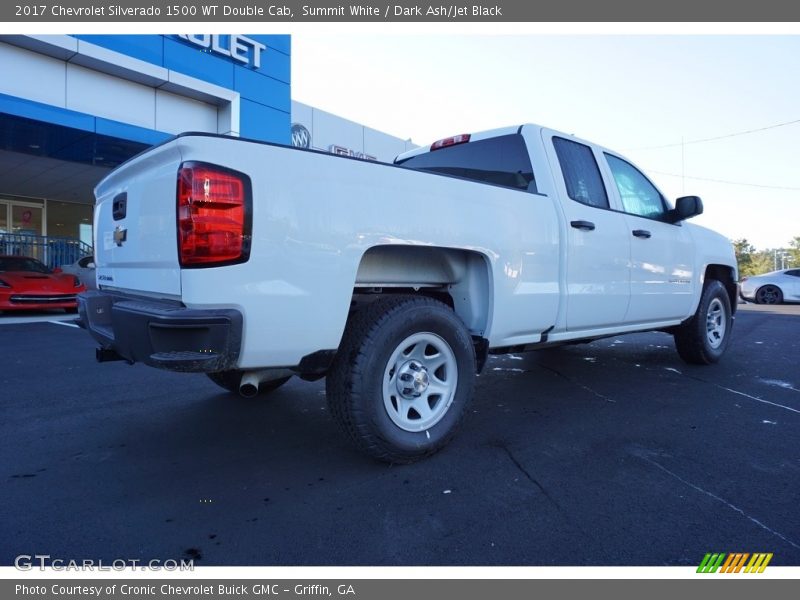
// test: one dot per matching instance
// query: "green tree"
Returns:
(794, 251)
(756, 262)
(745, 254)
(763, 261)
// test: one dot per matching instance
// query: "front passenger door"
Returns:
(662, 254)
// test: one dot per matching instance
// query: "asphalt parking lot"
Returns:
(613, 453)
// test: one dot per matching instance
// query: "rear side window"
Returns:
(581, 173)
(500, 161)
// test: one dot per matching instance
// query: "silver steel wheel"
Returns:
(716, 323)
(419, 382)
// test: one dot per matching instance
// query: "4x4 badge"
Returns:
(120, 235)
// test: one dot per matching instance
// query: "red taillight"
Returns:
(213, 215)
(451, 141)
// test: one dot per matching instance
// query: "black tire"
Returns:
(402, 338)
(769, 294)
(703, 339)
(229, 380)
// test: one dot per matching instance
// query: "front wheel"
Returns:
(769, 294)
(703, 339)
(402, 378)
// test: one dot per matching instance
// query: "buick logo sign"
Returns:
(301, 138)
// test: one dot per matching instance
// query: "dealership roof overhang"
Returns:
(46, 160)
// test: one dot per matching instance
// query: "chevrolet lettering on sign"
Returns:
(238, 47)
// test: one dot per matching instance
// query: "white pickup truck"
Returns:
(254, 262)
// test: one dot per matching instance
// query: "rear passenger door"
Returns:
(662, 254)
(598, 239)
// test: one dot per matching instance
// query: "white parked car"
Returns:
(772, 288)
(84, 269)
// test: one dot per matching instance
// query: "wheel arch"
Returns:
(461, 278)
(726, 275)
(462, 275)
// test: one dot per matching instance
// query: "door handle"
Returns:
(641, 233)
(582, 225)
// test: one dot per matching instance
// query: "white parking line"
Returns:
(732, 391)
(756, 398)
(9, 319)
(65, 324)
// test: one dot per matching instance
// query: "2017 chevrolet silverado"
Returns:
(253, 262)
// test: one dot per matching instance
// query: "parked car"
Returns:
(84, 269)
(772, 288)
(27, 284)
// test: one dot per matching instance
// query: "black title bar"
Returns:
(210, 11)
(736, 587)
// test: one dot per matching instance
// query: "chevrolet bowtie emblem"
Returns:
(120, 235)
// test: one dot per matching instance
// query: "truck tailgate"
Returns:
(136, 246)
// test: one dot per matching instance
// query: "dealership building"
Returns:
(73, 107)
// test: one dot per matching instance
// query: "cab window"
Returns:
(499, 160)
(581, 175)
(639, 196)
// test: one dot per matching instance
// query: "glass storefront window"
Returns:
(20, 222)
(26, 220)
(86, 233)
(68, 219)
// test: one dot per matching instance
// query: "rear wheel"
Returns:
(703, 339)
(402, 378)
(230, 381)
(769, 294)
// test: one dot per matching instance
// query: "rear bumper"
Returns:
(162, 334)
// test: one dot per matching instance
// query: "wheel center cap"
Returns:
(412, 379)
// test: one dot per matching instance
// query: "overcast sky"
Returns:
(629, 93)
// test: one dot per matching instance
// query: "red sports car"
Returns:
(27, 284)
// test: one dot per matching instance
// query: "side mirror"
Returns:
(57, 270)
(90, 265)
(686, 207)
